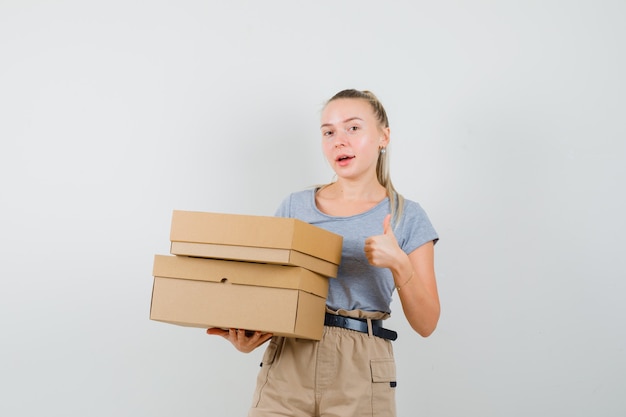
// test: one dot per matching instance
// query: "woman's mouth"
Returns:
(344, 159)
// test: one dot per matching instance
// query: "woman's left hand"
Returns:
(383, 250)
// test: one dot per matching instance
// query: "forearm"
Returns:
(420, 308)
(414, 278)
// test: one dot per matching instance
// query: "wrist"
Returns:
(406, 281)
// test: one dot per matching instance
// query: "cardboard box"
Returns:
(263, 239)
(197, 292)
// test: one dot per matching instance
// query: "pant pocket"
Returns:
(383, 387)
(269, 357)
(270, 352)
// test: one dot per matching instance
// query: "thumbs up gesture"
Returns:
(383, 250)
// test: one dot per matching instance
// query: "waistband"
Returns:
(360, 325)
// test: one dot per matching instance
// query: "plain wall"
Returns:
(508, 126)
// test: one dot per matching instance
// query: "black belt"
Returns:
(359, 325)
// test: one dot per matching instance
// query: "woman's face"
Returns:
(352, 137)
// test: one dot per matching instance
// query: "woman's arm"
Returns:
(417, 288)
(414, 276)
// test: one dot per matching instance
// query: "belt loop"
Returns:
(369, 328)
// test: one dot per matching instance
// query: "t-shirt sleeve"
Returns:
(284, 209)
(415, 228)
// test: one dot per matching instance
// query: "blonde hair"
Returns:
(396, 200)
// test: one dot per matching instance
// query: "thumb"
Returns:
(387, 225)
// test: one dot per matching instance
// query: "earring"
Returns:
(383, 150)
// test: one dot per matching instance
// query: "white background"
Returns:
(508, 126)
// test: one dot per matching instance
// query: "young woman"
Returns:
(388, 245)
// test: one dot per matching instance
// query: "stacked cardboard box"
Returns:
(249, 272)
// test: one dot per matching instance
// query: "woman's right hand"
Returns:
(244, 340)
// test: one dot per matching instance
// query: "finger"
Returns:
(259, 335)
(259, 338)
(387, 225)
(264, 337)
(232, 334)
(217, 331)
(241, 335)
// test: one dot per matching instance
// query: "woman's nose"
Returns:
(340, 139)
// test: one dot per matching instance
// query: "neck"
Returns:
(349, 190)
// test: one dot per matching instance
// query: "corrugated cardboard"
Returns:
(284, 300)
(277, 240)
(255, 254)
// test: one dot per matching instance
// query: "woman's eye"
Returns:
(353, 128)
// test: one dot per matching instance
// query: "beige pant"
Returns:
(345, 374)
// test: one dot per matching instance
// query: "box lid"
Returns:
(255, 254)
(240, 273)
(257, 231)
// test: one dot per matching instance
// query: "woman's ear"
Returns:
(384, 139)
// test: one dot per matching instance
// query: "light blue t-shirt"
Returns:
(360, 285)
